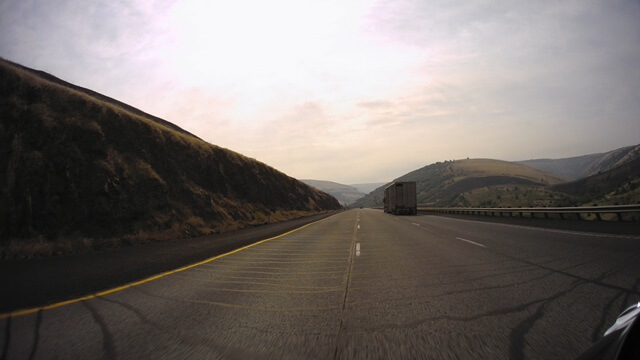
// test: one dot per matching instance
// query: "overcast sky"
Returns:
(354, 91)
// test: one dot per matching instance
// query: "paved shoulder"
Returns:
(36, 282)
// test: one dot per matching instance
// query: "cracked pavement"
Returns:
(413, 290)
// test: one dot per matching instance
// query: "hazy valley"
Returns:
(85, 171)
(345, 194)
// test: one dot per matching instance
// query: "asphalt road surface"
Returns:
(359, 284)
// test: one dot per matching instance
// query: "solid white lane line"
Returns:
(471, 242)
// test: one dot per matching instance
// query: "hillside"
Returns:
(578, 167)
(100, 97)
(345, 194)
(476, 182)
(620, 186)
(82, 171)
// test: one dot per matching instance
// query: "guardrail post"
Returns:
(598, 216)
(619, 216)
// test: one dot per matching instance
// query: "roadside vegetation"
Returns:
(511, 196)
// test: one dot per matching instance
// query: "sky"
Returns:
(354, 91)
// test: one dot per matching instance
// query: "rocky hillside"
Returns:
(80, 169)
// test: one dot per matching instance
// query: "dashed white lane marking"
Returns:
(357, 249)
(416, 224)
(471, 242)
(358, 226)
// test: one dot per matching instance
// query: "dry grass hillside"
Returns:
(496, 183)
(477, 182)
(79, 171)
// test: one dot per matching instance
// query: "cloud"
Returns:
(354, 90)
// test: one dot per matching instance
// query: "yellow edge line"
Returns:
(149, 279)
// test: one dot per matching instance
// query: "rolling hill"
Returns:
(477, 182)
(81, 170)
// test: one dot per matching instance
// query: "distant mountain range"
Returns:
(578, 167)
(345, 194)
(367, 187)
(83, 170)
(607, 178)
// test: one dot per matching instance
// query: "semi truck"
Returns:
(400, 198)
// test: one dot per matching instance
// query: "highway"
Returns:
(359, 284)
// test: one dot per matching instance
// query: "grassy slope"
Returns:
(81, 171)
(444, 183)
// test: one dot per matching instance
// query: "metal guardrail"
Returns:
(563, 212)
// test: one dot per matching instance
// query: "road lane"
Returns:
(360, 284)
(558, 290)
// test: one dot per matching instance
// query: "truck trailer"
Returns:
(400, 198)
